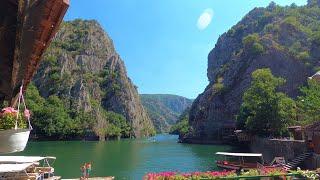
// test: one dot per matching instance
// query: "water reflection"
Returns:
(127, 159)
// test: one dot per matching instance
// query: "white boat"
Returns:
(27, 167)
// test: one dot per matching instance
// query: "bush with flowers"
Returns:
(8, 118)
(272, 171)
(265, 173)
(306, 174)
(251, 172)
(186, 176)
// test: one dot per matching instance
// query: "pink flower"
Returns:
(9, 110)
(151, 176)
(186, 174)
(27, 113)
(156, 176)
(196, 173)
(172, 175)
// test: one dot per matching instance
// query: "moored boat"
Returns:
(27, 167)
(240, 161)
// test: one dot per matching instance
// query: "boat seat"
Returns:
(44, 169)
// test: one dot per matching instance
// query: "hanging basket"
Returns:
(13, 140)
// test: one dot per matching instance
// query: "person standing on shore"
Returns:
(88, 169)
(83, 172)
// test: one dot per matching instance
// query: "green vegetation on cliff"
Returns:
(83, 90)
(309, 103)
(182, 127)
(286, 40)
(252, 44)
(164, 109)
(265, 111)
(51, 118)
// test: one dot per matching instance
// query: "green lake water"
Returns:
(127, 159)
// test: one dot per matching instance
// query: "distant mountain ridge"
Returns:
(164, 109)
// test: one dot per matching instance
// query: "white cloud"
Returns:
(205, 19)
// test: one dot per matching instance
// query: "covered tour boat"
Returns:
(27, 167)
(239, 161)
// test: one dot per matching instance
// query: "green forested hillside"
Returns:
(52, 119)
(181, 127)
(164, 109)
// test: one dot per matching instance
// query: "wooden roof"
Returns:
(26, 30)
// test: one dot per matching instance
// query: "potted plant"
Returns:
(9, 116)
(15, 127)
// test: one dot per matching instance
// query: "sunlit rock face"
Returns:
(313, 2)
(83, 68)
(289, 49)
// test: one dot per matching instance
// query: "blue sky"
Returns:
(164, 47)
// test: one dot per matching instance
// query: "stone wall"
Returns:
(313, 162)
(271, 148)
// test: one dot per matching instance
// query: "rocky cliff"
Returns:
(164, 109)
(284, 39)
(83, 68)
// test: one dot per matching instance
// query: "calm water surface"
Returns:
(127, 159)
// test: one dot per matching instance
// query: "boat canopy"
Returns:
(239, 154)
(6, 168)
(22, 159)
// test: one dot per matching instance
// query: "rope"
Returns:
(25, 107)
(21, 97)
(20, 93)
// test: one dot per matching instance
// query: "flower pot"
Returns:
(12, 140)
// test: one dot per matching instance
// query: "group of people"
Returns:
(85, 170)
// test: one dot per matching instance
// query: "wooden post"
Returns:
(22, 6)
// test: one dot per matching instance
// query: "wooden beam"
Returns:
(40, 43)
(57, 10)
(51, 13)
(47, 23)
(17, 50)
(14, 2)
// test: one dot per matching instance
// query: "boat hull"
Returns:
(13, 140)
(233, 167)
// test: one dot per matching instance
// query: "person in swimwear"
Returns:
(88, 169)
